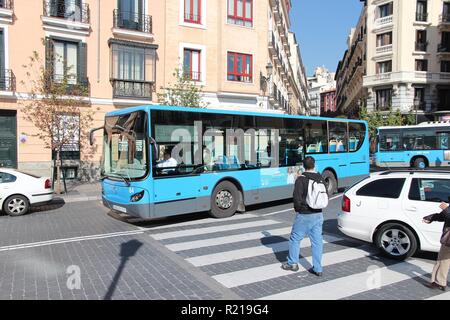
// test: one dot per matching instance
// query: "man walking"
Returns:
(308, 222)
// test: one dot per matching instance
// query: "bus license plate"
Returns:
(121, 209)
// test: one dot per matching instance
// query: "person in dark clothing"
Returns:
(308, 222)
(440, 271)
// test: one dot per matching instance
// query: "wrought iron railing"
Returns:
(7, 4)
(192, 75)
(421, 46)
(132, 21)
(7, 81)
(444, 47)
(421, 16)
(73, 85)
(444, 18)
(72, 10)
(192, 18)
(132, 89)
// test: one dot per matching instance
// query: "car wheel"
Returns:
(420, 163)
(224, 200)
(330, 182)
(396, 241)
(16, 206)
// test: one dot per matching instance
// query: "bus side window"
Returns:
(357, 134)
(316, 136)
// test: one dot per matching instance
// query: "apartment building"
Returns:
(299, 81)
(126, 51)
(322, 81)
(350, 92)
(407, 66)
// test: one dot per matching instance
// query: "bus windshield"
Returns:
(125, 153)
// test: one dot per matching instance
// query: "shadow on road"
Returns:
(127, 250)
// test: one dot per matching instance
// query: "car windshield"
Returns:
(125, 149)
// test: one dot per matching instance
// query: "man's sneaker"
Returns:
(319, 274)
(286, 266)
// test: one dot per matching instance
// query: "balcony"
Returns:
(272, 43)
(384, 21)
(277, 11)
(192, 75)
(8, 81)
(72, 84)
(6, 11)
(132, 89)
(421, 46)
(132, 24)
(66, 16)
(444, 20)
(384, 49)
(443, 48)
(421, 16)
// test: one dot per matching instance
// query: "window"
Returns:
(240, 67)
(316, 137)
(384, 39)
(421, 40)
(421, 10)
(419, 98)
(445, 66)
(384, 99)
(443, 139)
(419, 139)
(385, 10)
(356, 134)
(421, 65)
(383, 188)
(192, 11)
(445, 41)
(130, 14)
(338, 136)
(431, 190)
(390, 141)
(68, 131)
(240, 12)
(7, 178)
(384, 67)
(191, 64)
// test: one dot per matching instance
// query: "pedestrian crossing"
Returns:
(249, 262)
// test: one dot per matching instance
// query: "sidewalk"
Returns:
(81, 192)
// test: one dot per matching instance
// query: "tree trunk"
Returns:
(58, 172)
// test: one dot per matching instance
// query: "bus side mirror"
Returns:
(91, 135)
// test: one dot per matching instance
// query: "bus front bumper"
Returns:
(135, 210)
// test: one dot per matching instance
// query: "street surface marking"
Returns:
(357, 283)
(66, 240)
(201, 221)
(252, 275)
(292, 209)
(443, 296)
(228, 239)
(195, 232)
(260, 250)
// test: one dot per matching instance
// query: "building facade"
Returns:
(322, 81)
(407, 66)
(328, 103)
(125, 52)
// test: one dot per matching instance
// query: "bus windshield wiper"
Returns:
(127, 182)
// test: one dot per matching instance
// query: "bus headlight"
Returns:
(137, 197)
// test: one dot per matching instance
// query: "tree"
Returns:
(56, 108)
(184, 93)
(378, 119)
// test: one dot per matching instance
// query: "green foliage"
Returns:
(378, 119)
(184, 93)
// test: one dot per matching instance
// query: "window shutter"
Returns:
(82, 63)
(49, 49)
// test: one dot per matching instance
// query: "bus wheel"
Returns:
(420, 163)
(224, 200)
(330, 182)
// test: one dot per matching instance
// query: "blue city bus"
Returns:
(227, 160)
(420, 146)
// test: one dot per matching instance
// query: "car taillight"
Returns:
(48, 184)
(345, 204)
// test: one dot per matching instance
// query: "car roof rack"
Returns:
(412, 171)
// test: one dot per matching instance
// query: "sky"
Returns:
(322, 28)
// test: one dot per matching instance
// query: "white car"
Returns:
(388, 208)
(19, 191)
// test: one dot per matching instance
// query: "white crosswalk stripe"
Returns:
(202, 221)
(194, 232)
(252, 275)
(358, 283)
(195, 244)
(220, 257)
(229, 250)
